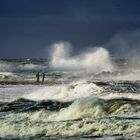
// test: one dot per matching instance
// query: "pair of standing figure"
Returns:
(38, 77)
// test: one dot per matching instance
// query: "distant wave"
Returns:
(32, 67)
(13, 67)
(6, 67)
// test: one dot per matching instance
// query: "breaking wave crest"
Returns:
(65, 92)
(26, 118)
(82, 108)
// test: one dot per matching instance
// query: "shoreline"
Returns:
(27, 82)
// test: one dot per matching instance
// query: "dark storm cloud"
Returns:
(69, 8)
(28, 8)
(27, 27)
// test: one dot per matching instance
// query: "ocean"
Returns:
(75, 101)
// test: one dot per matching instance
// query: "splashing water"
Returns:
(93, 61)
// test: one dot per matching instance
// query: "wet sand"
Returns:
(26, 82)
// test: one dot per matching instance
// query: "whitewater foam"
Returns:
(7, 75)
(65, 92)
(6, 67)
(75, 120)
(81, 108)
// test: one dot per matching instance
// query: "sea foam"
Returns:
(65, 92)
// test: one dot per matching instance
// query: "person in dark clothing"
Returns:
(37, 77)
(43, 77)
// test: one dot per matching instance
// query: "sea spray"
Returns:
(95, 60)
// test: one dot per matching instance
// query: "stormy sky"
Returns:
(29, 27)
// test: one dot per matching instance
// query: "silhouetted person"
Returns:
(43, 77)
(37, 77)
